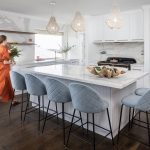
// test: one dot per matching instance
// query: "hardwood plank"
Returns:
(14, 136)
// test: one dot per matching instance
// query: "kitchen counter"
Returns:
(111, 90)
(81, 74)
(46, 62)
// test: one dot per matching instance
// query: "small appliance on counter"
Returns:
(118, 62)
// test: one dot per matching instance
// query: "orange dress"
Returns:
(6, 90)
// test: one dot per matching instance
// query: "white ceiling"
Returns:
(41, 8)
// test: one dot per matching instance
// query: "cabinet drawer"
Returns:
(137, 68)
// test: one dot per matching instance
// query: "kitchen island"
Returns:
(112, 90)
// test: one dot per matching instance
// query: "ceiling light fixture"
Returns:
(78, 24)
(115, 20)
(52, 26)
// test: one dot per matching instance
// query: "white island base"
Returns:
(111, 90)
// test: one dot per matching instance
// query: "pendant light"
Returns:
(78, 24)
(52, 26)
(115, 20)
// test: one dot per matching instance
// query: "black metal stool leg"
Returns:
(43, 104)
(129, 118)
(11, 105)
(139, 116)
(120, 123)
(93, 120)
(28, 100)
(132, 117)
(63, 121)
(46, 116)
(57, 112)
(110, 126)
(87, 131)
(70, 127)
(81, 122)
(39, 117)
(148, 128)
(22, 104)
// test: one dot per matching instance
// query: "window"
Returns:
(47, 45)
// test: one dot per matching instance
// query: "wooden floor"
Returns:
(14, 136)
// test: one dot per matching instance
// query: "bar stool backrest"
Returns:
(57, 91)
(86, 99)
(17, 80)
(34, 85)
(144, 102)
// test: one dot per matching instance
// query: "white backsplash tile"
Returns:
(130, 50)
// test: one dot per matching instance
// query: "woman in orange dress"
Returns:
(6, 90)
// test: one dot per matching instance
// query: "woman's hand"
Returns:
(7, 62)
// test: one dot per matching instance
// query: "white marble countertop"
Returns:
(81, 74)
(43, 61)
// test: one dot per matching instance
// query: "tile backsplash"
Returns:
(130, 50)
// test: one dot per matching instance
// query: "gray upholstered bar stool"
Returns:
(141, 91)
(139, 103)
(87, 100)
(35, 87)
(18, 83)
(57, 92)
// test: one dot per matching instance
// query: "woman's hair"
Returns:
(2, 38)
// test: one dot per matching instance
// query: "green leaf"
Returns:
(14, 52)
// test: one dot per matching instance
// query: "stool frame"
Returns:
(87, 130)
(131, 123)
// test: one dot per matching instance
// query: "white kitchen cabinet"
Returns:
(131, 31)
(97, 22)
(109, 34)
(140, 83)
(123, 33)
(137, 25)
(138, 68)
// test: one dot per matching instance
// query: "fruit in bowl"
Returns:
(105, 72)
(97, 70)
(92, 70)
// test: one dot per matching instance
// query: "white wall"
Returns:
(91, 53)
(14, 21)
(96, 29)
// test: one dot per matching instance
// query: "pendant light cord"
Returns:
(52, 5)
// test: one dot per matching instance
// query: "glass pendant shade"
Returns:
(78, 24)
(52, 26)
(115, 20)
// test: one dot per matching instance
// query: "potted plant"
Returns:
(14, 52)
(64, 50)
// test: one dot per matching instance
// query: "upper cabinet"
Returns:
(137, 25)
(123, 33)
(132, 29)
(96, 28)
(108, 34)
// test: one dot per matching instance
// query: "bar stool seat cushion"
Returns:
(131, 100)
(141, 91)
(17, 80)
(86, 99)
(35, 85)
(57, 91)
